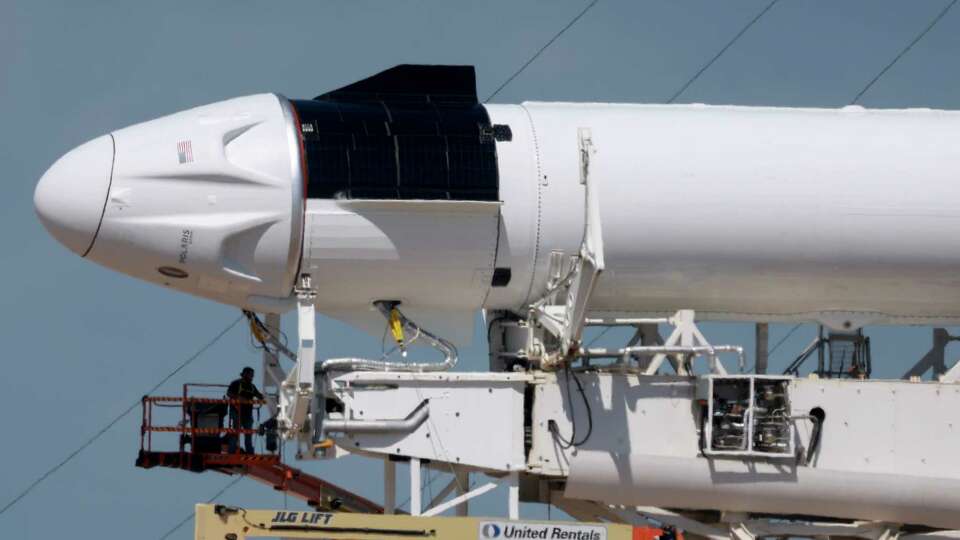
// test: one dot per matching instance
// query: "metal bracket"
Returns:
(564, 315)
(273, 375)
(296, 391)
(686, 336)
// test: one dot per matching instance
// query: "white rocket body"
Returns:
(847, 217)
(761, 214)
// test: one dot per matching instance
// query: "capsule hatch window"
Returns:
(400, 151)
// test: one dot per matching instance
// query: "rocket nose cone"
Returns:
(71, 195)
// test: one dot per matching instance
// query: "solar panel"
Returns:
(411, 132)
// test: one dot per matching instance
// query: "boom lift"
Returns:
(202, 446)
(217, 522)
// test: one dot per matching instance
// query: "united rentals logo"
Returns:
(490, 530)
(185, 152)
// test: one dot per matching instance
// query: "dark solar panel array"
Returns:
(377, 140)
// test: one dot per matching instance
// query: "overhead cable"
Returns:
(542, 49)
(905, 50)
(717, 56)
(598, 336)
(184, 521)
(778, 344)
(39, 480)
(784, 338)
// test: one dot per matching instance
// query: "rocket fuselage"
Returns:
(747, 213)
(845, 216)
(740, 213)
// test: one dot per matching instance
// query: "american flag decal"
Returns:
(185, 152)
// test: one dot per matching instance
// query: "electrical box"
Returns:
(746, 415)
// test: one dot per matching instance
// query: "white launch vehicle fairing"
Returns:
(404, 187)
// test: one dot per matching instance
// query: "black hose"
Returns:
(815, 436)
(702, 440)
(586, 404)
(552, 425)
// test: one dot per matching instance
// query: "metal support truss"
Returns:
(685, 343)
(461, 484)
(935, 359)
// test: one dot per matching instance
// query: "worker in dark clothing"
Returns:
(241, 414)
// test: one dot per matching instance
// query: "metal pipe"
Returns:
(700, 350)
(664, 349)
(364, 364)
(619, 321)
(411, 422)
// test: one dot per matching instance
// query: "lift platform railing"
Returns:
(203, 439)
(201, 424)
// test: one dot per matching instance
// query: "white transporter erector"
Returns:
(403, 192)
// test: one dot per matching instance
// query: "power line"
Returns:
(723, 50)
(423, 486)
(597, 338)
(784, 338)
(210, 500)
(906, 49)
(119, 417)
(539, 52)
(777, 346)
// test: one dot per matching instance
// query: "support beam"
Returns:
(687, 336)
(416, 506)
(513, 495)
(296, 392)
(463, 485)
(934, 359)
(763, 347)
(476, 492)
(649, 336)
(389, 487)
(442, 494)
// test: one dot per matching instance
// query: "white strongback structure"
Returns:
(606, 434)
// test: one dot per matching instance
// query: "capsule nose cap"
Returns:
(71, 196)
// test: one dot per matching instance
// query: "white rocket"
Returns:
(404, 187)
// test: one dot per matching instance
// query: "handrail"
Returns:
(207, 431)
(192, 432)
(174, 399)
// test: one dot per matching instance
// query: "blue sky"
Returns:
(82, 343)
